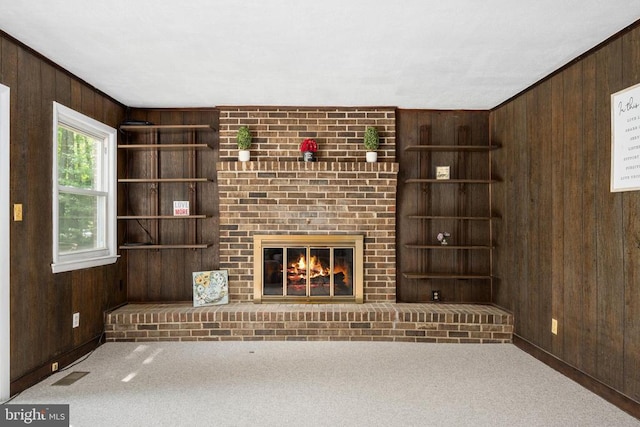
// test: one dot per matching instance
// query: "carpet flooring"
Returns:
(279, 383)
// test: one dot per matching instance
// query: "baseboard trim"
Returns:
(64, 360)
(607, 393)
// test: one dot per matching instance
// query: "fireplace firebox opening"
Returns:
(308, 268)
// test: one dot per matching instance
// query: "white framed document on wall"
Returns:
(625, 139)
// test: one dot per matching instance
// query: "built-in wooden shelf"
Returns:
(457, 247)
(183, 138)
(165, 146)
(417, 276)
(451, 147)
(460, 204)
(461, 218)
(145, 128)
(163, 216)
(448, 181)
(149, 247)
(165, 180)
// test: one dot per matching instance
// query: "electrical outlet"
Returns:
(76, 320)
(554, 326)
(54, 366)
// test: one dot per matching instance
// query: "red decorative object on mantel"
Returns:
(308, 147)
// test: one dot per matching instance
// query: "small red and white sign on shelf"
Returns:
(180, 208)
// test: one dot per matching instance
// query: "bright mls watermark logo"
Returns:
(35, 415)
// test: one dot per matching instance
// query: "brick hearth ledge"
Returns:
(437, 323)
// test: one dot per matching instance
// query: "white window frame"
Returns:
(5, 247)
(100, 256)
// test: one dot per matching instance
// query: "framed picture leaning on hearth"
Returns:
(210, 288)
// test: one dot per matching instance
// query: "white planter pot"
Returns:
(372, 156)
(244, 155)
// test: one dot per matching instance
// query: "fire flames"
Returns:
(315, 267)
(317, 272)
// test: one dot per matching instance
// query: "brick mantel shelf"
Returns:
(286, 166)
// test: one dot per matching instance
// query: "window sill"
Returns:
(85, 263)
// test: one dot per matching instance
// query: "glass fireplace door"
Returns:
(308, 268)
(305, 271)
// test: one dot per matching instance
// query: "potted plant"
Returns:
(244, 142)
(371, 143)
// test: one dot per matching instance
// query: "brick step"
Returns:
(437, 323)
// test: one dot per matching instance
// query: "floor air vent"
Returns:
(71, 378)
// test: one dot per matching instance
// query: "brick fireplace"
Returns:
(277, 194)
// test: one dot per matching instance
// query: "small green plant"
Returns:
(244, 138)
(371, 139)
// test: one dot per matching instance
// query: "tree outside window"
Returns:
(77, 169)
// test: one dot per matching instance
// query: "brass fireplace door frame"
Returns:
(355, 241)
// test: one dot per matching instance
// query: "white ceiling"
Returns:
(433, 54)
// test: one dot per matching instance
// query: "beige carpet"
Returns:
(321, 384)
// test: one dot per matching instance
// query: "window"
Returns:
(84, 191)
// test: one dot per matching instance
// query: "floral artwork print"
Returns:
(210, 288)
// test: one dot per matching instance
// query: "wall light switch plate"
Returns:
(554, 326)
(17, 212)
(76, 320)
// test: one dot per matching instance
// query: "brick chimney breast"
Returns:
(277, 193)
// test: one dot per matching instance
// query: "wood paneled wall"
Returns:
(42, 303)
(568, 248)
